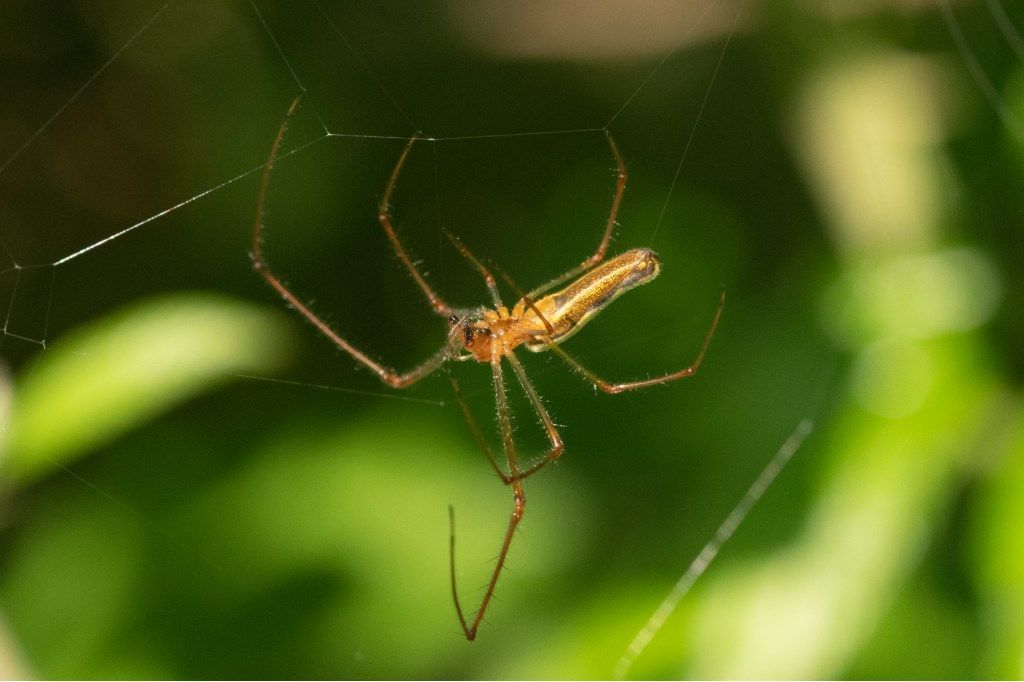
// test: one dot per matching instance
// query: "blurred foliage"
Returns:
(197, 486)
(91, 389)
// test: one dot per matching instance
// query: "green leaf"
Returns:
(124, 369)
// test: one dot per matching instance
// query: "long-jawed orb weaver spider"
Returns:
(539, 321)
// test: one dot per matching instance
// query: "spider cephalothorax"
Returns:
(470, 336)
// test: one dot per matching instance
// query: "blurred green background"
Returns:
(195, 484)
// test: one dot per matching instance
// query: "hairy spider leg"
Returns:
(621, 387)
(384, 216)
(602, 247)
(492, 287)
(478, 434)
(260, 265)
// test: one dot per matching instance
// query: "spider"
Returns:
(538, 321)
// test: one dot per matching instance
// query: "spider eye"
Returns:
(453, 320)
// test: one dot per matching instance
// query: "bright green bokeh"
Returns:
(124, 371)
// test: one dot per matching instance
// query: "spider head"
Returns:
(468, 336)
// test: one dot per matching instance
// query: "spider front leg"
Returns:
(621, 387)
(492, 286)
(261, 266)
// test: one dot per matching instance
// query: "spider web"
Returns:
(94, 197)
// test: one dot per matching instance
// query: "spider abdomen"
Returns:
(566, 311)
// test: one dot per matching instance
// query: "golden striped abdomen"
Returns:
(572, 307)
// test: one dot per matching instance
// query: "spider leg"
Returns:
(474, 427)
(557, 445)
(602, 247)
(609, 387)
(261, 266)
(492, 287)
(384, 216)
(527, 299)
(545, 419)
(469, 626)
